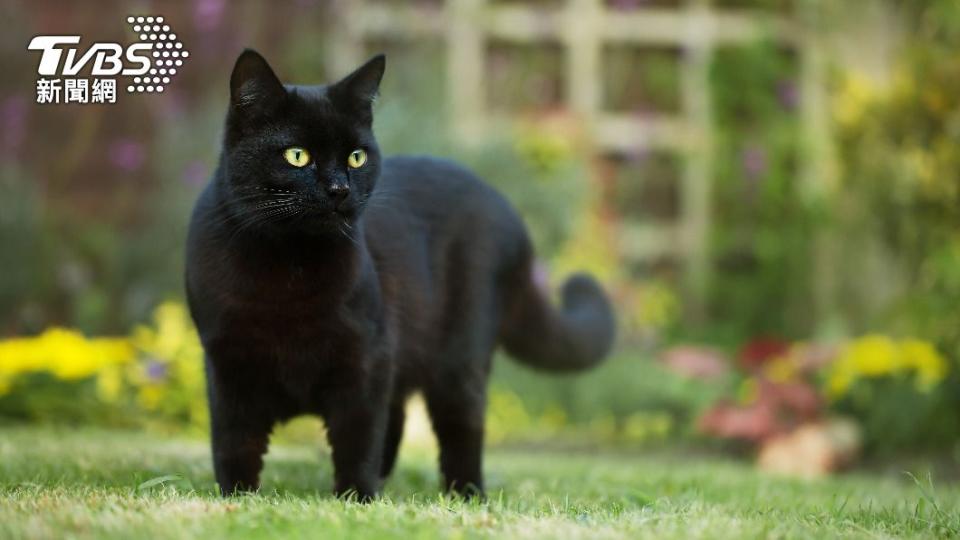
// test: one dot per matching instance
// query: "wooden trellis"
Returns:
(583, 28)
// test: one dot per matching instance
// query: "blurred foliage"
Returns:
(641, 79)
(512, 86)
(878, 356)
(24, 248)
(893, 219)
(154, 377)
(92, 240)
(646, 187)
(627, 388)
(898, 203)
(537, 164)
(895, 389)
(899, 151)
(762, 234)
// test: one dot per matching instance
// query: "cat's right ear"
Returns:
(253, 85)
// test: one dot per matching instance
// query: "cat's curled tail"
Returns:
(575, 337)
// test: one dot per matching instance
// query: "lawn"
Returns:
(103, 484)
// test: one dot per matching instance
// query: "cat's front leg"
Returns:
(356, 428)
(240, 428)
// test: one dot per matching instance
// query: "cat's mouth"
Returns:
(350, 208)
(346, 213)
(343, 212)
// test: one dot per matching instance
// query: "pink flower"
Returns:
(695, 362)
(127, 154)
(728, 421)
(208, 14)
(754, 159)
(788, 94)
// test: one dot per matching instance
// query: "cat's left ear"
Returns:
(358, 89)
(254, 88)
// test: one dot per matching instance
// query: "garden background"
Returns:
(775, 209)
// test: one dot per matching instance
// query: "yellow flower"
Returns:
(876, 356)
(872, 356)
(851, 102)
(924, 359)
(67, 354)
(159, 367)
(171, 332)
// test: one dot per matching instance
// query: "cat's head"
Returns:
(301, 157)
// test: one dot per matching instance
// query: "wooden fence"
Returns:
(583, 28)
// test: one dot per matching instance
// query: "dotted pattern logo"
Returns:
(168, 53)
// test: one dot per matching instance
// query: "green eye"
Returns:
(296, 156)
(357, 158)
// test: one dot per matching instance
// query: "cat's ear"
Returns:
(358, 89)
(253, 85)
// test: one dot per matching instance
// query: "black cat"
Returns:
(324, 279)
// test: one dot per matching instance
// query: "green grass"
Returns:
(101, 484)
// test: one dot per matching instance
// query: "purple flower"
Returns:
(208, 14)
(156, 371)
(754, 161)
(127, 154)
(788, 94)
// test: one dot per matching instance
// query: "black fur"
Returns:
(337, 291)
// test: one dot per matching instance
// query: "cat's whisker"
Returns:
(241, 212)
(228, 213)
(347, 235)
(249, 220)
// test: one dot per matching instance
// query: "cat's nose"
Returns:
(338, 192)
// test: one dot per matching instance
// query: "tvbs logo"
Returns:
(147, 65)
